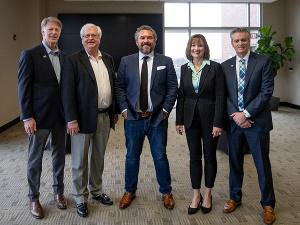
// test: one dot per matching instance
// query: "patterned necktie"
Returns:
(144, 85)
(241, 84)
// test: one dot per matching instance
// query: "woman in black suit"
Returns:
(200, 112)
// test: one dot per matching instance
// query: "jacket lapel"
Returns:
(231, 73)
(46, 59)
(87, 64)
(250, 68)
(154, 68)
(203, 78)
(188, 79)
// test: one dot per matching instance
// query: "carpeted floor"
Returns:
(148, 208)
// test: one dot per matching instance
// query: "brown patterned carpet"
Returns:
(148, 208)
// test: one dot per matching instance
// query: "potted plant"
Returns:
(279, 53)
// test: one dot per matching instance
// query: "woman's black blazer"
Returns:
(209, 102)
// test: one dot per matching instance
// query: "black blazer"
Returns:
(210, 99)
(80, 92)
(259, 85)
(39, 90)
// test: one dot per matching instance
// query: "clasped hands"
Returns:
(241, 120)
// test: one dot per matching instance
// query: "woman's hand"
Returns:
(217, 131)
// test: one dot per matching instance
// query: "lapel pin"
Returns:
(44, 56)
(231, 65)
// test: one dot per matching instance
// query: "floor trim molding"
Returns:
(287, 104)
(9, 124)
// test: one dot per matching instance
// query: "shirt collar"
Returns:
(204, 63)
(246, 57)
(49, 50)
(98, 57)
(141, 55)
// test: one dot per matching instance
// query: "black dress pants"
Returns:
(201, 142)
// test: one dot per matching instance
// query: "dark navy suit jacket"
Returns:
(259, 85)
(38, 87)
(163, 87)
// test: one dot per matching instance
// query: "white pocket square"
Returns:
(161, 67)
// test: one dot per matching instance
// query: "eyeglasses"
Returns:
(90, 35)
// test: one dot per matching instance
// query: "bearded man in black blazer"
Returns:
(250, 85)
(39, 77)
(89, 106)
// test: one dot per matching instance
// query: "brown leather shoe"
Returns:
(60, 201)
(269, 215)
(168, 200)
(231, 205)
(36, 209)
(126, 200)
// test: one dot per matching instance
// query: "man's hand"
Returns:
(124, 114)
(241, 120)
(30, 126)
(247, 124)
(238, 117)
(165, 114)
(179, 129)
(72, 128)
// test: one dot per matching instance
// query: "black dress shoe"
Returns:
(104, 199)
(207, 210)
(195, 210)
(82, 209)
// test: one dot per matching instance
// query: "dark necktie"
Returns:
(144, 85)
(241, 86)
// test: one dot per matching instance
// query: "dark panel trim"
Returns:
(9, 124)
(289, 105)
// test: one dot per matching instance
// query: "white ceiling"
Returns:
(206, 1)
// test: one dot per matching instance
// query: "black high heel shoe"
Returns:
(195, 210)
(207, 210)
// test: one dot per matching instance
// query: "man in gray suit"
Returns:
(147, 90)
(39, 77)
(250, 83)
(89, 106)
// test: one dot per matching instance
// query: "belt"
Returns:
(103, 110)
(145, 114)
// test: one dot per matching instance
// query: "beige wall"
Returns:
(20, 18)
(283, 16)
(59, 6)
(292, 29)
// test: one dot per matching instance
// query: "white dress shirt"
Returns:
(102, 79)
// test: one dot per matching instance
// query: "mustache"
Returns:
(146, 43)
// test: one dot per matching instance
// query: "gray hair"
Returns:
(50, 19)
(88, 25)
(144, 27)
(240, 30)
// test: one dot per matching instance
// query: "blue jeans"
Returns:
(135, 133)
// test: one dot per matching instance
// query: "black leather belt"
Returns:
(145, 114)
(103, 110)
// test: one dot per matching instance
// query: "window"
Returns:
(214, 20)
